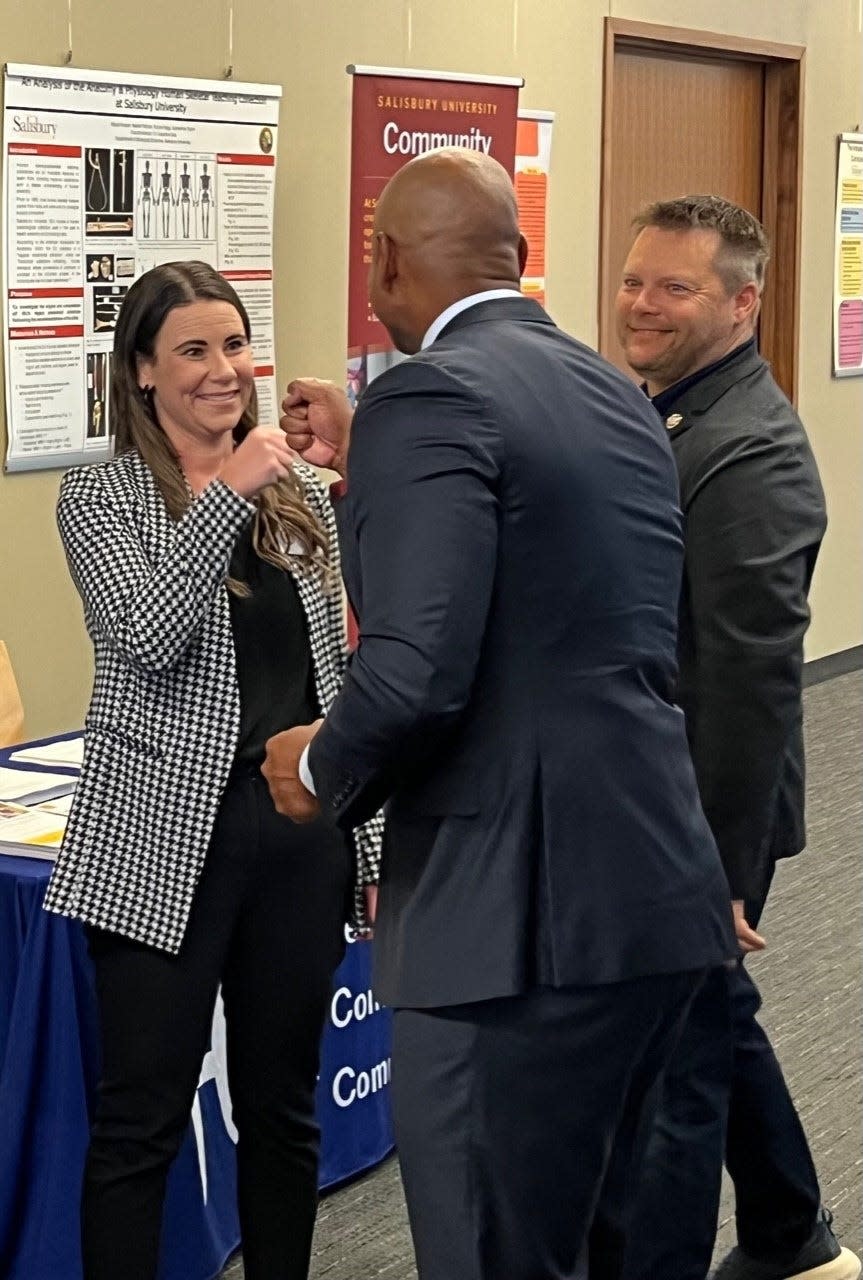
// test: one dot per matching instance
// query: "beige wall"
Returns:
(557, 46)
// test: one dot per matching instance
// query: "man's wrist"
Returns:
(339, 463)
(340, 456)
(305, 772)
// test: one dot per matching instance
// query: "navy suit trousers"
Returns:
(518, 1124)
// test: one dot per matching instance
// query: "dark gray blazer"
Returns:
(511, 543)
(754, 517)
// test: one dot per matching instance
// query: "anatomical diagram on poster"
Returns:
(106, 175)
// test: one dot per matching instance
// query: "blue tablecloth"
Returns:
(48, 1073)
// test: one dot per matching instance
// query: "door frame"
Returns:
(782, 170)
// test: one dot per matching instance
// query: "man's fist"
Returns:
(316, 421)
(282, 772)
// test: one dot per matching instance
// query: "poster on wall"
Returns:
(398, 115)
(532, 164)
(848, 270)
(106, 175)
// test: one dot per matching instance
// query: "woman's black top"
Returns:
(274, 659)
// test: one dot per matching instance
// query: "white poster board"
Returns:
(105, 175)
(848, 268)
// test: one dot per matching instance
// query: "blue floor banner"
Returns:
(48, 1074)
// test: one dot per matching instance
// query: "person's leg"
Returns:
(507, 1114)
(777, 1197)
(277, 984)
(155, 1013)
(716, 1104)
(768, 1158)
(672, 1225)
(781, 1228)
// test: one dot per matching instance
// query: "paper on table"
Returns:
(27, 786)
(30, 832)
(61, 805)
(69, 752)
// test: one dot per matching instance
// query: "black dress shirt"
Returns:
(274, 661)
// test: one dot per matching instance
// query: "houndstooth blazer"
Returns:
(164, 719)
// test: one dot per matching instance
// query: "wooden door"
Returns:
(683, 119)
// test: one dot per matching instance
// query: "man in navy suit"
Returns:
(551, 897)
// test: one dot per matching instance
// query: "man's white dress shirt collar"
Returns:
(456, 308)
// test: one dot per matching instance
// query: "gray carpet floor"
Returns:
(810, 978)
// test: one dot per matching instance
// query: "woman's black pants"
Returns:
(267, 924)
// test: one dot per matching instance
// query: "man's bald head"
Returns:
(457, 209)
(446, 226)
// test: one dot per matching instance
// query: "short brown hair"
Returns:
(745, 248)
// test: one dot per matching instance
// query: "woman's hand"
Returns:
(262, 459)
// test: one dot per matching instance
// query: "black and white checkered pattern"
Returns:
(164, 719)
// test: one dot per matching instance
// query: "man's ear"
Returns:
(522, 254)
(747, 302)
(388, 260)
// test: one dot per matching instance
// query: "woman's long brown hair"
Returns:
(284, 517)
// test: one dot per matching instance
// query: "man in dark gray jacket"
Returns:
(754, 519)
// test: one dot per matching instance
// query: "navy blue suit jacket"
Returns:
(511, 542)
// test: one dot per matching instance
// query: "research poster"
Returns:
(106, 175)
(848, 271)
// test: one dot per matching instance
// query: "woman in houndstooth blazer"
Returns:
(207, 562)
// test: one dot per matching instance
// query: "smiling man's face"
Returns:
(674, 312)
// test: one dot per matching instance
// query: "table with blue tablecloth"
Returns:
(48, 1072)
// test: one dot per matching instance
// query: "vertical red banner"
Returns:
(397, 117)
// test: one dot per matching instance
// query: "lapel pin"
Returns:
(673, 420)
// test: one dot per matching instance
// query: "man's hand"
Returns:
(316, 418)
(282, 772)
(748, 939)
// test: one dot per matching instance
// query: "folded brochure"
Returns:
(35, 831)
